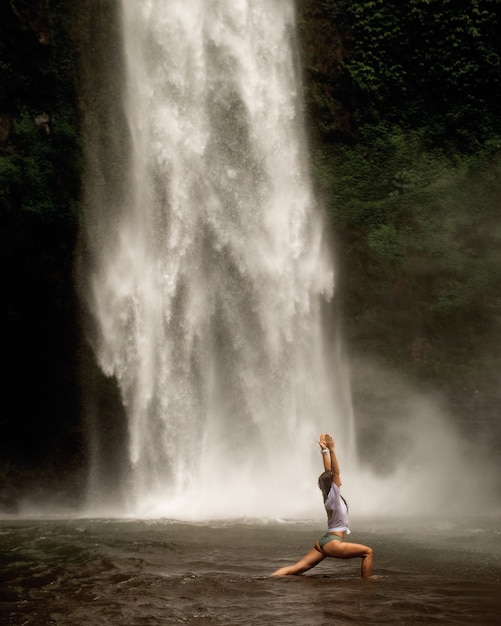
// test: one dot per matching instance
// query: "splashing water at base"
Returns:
(208, 283)
(103, 572)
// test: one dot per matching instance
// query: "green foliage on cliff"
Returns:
(39, 147)
(39, 200)
(403, 109)
(420, 64)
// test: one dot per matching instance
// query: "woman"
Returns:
(332, 543)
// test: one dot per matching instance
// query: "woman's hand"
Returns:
(329, 442)
(321, 442)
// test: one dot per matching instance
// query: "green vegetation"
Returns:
(39, 154)
(39, 199)
(403, 113)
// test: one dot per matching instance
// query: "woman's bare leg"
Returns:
(307, 562)
(344, 550)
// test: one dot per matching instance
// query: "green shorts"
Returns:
(328, 537)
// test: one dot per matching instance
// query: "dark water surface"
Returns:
(100, 572)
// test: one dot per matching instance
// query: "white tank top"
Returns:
(337, 512)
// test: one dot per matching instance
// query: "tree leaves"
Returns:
(406, 129)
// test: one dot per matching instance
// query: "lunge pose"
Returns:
(332, 543)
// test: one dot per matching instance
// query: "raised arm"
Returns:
(333, 462)
(326, 457)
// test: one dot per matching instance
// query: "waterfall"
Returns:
(209, 271)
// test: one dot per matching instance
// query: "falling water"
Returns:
(210, 275)
(207, 280)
